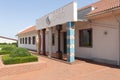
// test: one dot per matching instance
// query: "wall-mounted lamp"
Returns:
(105, 32)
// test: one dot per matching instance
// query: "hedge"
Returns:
(6, 50)
(20, 52)
(3, 52)
(16, 60)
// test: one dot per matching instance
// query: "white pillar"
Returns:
(38, 42)
(50, 42)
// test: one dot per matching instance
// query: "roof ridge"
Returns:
(8, 38)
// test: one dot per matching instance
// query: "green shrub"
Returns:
(3, 43)
(16, 60)
(7, 48)
(17, 55)
(3, 52)
(19, 52)
(15, 44)
(7, 45)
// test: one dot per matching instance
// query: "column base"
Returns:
(44, 54)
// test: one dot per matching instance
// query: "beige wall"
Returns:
(105, 47)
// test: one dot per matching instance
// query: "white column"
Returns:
(50, 42)
(38, 42)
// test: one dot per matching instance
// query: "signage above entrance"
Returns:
(59, 16)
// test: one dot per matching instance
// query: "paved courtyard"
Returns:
(57, 70)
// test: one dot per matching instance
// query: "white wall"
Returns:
(3, 40)
(105, 47)
(59, 16)
(55, 46)
(28, 46)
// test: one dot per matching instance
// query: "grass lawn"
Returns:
(7, 45)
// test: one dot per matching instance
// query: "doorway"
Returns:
(64, 43)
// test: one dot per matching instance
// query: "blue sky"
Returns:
(16, 15)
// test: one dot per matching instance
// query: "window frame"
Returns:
(20, 40)
(33, 40)
(29, 40)
(90, 40)
(53, 39)
(25, 40)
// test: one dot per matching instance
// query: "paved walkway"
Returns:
(57, 70)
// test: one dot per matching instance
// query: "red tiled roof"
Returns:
(105, 5)
(29, 29)
(87, 6)
(99, 6)
(8, 38)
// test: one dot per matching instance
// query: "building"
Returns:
(91, 32)
(7, 40)
(27, 38)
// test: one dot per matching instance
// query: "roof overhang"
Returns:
(103, 12)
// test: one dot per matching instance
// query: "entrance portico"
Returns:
(60, 44)
(66, 16)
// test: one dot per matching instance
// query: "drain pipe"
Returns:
(119, 43)
(118, 21)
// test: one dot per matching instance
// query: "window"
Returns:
(85, 38)
(26, 40)
(53, 39)
(29, 40)
(33, 40)
(20, 40)
(23, 40)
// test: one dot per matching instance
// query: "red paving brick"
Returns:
(57, 70)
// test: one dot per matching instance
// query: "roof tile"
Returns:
(29, 29)
(105, 5)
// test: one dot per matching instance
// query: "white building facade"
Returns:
(88, 33)
(27, 38)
